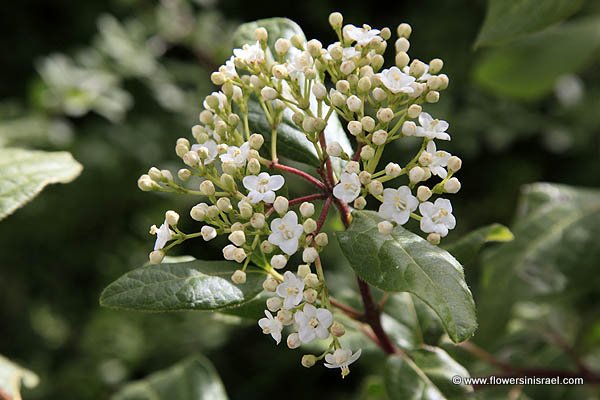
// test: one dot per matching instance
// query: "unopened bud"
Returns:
(409, 128)
(309, 255)
(379, 94)
(367, 152)
(335, 20)
(266, 247)
(416, 174)
(432, 97)
(239, 255)
(282, 46)
(353, 103)
(278, 261)
(293, 340)
(307, 209)
(435, 66)
(352, 167)
(198, 212)
(379, 137)
(207, 188)
(311, 280)
(355, 128)
(319, 90)
(268, 93)
(281, 205)
(303, 270)
(337, 329)
(385, 227)
(364, 84)
(393, 170)
(285, 317)
(191, 158)
(360, 203)
(224, 204)
(146, 184)
(434, 238)
(425, 158)
(310, 225)
(238, 238)
(402, 59)
(308, 360)
(322, 239)
(239, 277)
(454, 163)
(274, 304)
(404, 30)
(334, 149)
(184, 174)
(423, 193)
(208, 233)
(375, 188)
(385, 114)
(364, 177)
(270, 284)
(452, 185)
(172, 218)
(310, 295)
(156, 256)
(257, 221)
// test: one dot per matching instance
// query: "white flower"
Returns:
(298, 62)
(437, 217)
(432, 128)
(439, 160)
(398, 204)
(236, 155)
(348, 53)
(211, 149)
(271, 326)
(163, 235)
(285, 232)
(291, 289)
(397, 81)
(341, 358)
(262, 187)
(362, 36)
(250, 53)
(229, 69)
(348, 188)
(313, 323)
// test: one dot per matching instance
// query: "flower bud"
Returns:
(191, 158)
(228, 252)
(256, 140)
(335, 20)
(224, 204)
(212, 212)
(310, 295)
(266, 247)
(435, 66)
(261, 34)
(337, 329)
(206, 117)
(311, 280)
(364, 84)
(322, 239)
(454, 164)
(308, 360)
(414, 111)
(309, 124)
(347, 67)
(375, 188)
(146, 184)
(434, 238)
(282, 46)
(417, 68)
(238, 238)
(379, 137)
(184, 174)
(285, 317)
(270, 284)
(444, 81)
(253, 166)
(307, 209)
(409, 128)
(309, 226)
(217, 78)
(334, 149)
(354, 103)
(404, 30)
(172, 218)
(309, 255)
(281, 205)
(385, 33)
(207, 188)
(423, 193)
(314, 47)
(425, 158)
(385, 114)
(319, 90)
(257, 221)
(274, 303)
(297, 41)
(227, 182)
(278, 261)
(208, 233)
(338, 99)
(402, 59)
(385, 227)
(452, 185)
(355, 128)
(416, 174)
(268, 93)
(393, 170)
(364, 177)
(279, 71)
(293, 340)
(379, 94)
(367, 152)
(239, 255)
(432, 97)
(156, 256)
(352, 167)
(303, 270)
(402, 45)
(198, 212)
(360, 203)
(222, 148)
(377, 62)
(238, 277)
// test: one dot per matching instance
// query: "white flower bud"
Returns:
(303, 270)
(435, 66)
(172, 218)
(268, 93)
(452, 185)
(297, 41)
(285, 317)
(184, 174)
(278, 261)
(414, 111)
(237, 95)
(310, 295)
(393, 170)
(322, 239)
(334, 149)
(404, 30)
(338, 99)
(156, 256)
(385, 227)
(199, 211)
(274, 303)
(379, 94)
(432, 97)
(237, 226)
(337, 329)
(314, 47)
(377, 62)
(146, 184)
(379, 137)
(191, 158)
(336, 52)
(282, 46)
(309, 226)
(217, 78)
(281, 205)
(368, 123)
(454, 164)
(293, 340)
(270, 284)
(343, 86)
(224, 204)
(212, 212)
(279, 71)
(416, 174)
(347, 67)
(434, 238)
(355, 128)
(444, 81)
(353, 103)
(385, 114)
(208, 233)
(206, 117)
(309, 255)
(257, 221)
(239, 255)
(409, 128)
(307, 209)
(360, 203)
(261, 34)
(367, 152)
(238, 277)
(228, 252)
(308, 360)
(253, 166)
(375, 188)
(309, 124)
(417, 68)
(425, 158)
(227, 182)
(364, 84)
(311, 280)
(336, 20)
(319, 90)
(364, 177)
(423, 193)
(238, 238)
(402, 60)
(207, 188)
(256, 141)
(402, 45)
(352, 167)
(266, 247)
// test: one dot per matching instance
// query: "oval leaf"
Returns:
(467, 247)
(405, 262)
(24, 173)
(191, 379)
(194, 285)
(506, 20)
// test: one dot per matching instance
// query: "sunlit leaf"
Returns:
(467, 247)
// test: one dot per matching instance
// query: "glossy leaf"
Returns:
(405, 262)
(467, 247)
(191, 379)
(194, 285)
(11, 378)
(506, 20)
(24, 173)
(427, 375)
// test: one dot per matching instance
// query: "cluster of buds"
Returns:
(240, 189)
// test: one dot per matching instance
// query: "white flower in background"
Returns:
(341, 358)
(397, 81)
(222, 101)
(286, 232)
(236, 155)
(250, 53)
(422, 78)
(363, 36)
(229, 69)
(211, 149)
(437, 217)
(348, 188)
(298, 62)
(291, 290)
(262, 187)
(398, 204)
(313, 323)
(439, 160)
(432, 128)
(271, 326)
(163, 235)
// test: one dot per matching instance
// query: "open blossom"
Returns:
(313, 323)
(211, 148)
(437, 217)
(298, 62)
(397, 81)
(262, 187)
(291, 290)
(363, 36)
(271, 326)
(286, 232)
(163, 235)
(348, 188)
(398, 204)
(236, 155)
(341, 358)
(432, 128)
(439, 160)
(250, 53)
(229, 69)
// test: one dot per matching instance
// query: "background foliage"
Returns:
(115, 82)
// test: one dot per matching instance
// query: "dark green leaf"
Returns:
(426, 376)
(194, 285)
(467, 247)
(508, 19)
(191, 379)
(253, 309)
(405, 262)
(529, 67)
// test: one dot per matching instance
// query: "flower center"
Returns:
(285, 232)
(313, 322)
(292, 291)
(440, 214)
(400, 205)
(350, 187)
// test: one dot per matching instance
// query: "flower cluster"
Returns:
(241, 179)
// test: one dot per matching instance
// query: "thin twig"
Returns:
(299, 173)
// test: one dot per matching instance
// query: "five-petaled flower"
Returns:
(398, 204)
(437, 217)
(291, 289)
(262, 187)
(397, 81)
(285, 232)
(271, 326)
(341, 358)
(348, 188)
(432, 128)
(313, 323)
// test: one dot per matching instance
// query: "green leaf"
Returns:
(506, 20)
(253, 309)
(192, 379)
(529, 67)
(405, 262)
(276, 27)
(467, 247)
(426, 375)
(194, 285)
(24, 173)
(11, 378)
(555, 251)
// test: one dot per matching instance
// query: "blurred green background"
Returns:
(115, 82)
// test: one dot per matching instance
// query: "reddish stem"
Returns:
(323, 215)
(310, 197)
(356, 155)
(373, 317)
(328, 167)
(299, 173)
(350, 311)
